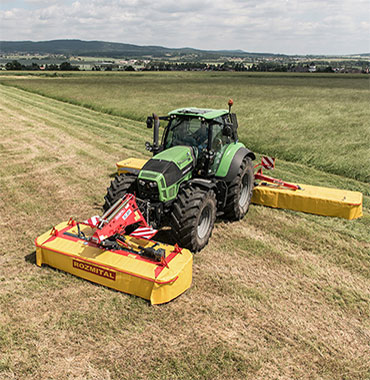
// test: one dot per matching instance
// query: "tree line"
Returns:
(64, 66)
(200, 66)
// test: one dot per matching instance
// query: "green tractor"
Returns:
(199, 171)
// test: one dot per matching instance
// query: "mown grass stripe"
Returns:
(85, 117)
(100, 109)
(84, 133)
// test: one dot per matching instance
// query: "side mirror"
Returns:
(149, 122)
(227, 131)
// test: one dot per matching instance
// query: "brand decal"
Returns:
(127, 214)
(184, 160)
(95, 270)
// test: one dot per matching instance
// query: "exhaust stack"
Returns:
(155, 132)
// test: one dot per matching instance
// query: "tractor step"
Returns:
(311, 199)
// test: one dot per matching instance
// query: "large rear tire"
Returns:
(193, 217)
(121, 185)
(240, 192)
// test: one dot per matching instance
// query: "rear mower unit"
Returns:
(317, 200)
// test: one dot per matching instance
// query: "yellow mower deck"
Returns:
(121, 270)
(311, 199)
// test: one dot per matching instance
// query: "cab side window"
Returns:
(219, 142)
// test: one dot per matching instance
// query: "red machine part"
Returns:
(269, 163)
(122, 214)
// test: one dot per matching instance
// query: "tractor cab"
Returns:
(207, 131)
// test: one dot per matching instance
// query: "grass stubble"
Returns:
(279, 295)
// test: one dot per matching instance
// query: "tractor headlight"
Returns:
(141, 182)
(153, 184)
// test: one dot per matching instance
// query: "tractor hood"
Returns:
(173, 164)
(180, 155)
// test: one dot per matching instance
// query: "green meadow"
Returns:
(322, 121)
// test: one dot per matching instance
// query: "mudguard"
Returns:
(232, 160)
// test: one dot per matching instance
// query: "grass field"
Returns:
(279, 295)
(327, 116)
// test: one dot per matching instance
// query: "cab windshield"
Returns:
(194, 131)
(187, 131)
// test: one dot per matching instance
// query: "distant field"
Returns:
(318, 120)
(279, 295)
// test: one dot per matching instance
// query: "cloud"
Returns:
(288, 26)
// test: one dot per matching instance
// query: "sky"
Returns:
(333, 27)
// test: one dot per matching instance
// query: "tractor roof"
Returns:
(208, 114)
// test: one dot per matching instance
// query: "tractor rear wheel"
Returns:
(121, 185)
(240, 192)
(193, 217)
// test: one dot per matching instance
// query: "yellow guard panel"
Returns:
(311, 199)
(126, 272)
(131, 165)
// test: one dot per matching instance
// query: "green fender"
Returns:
(231, 161)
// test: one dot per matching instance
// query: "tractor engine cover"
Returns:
(161, 176)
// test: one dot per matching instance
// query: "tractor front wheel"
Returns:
(193, 217)
(240, 192)
(121, 185)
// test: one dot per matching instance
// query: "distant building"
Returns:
(85, 67)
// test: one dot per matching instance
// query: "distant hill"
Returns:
(114, 50)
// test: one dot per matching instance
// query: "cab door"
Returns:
(219, 142)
